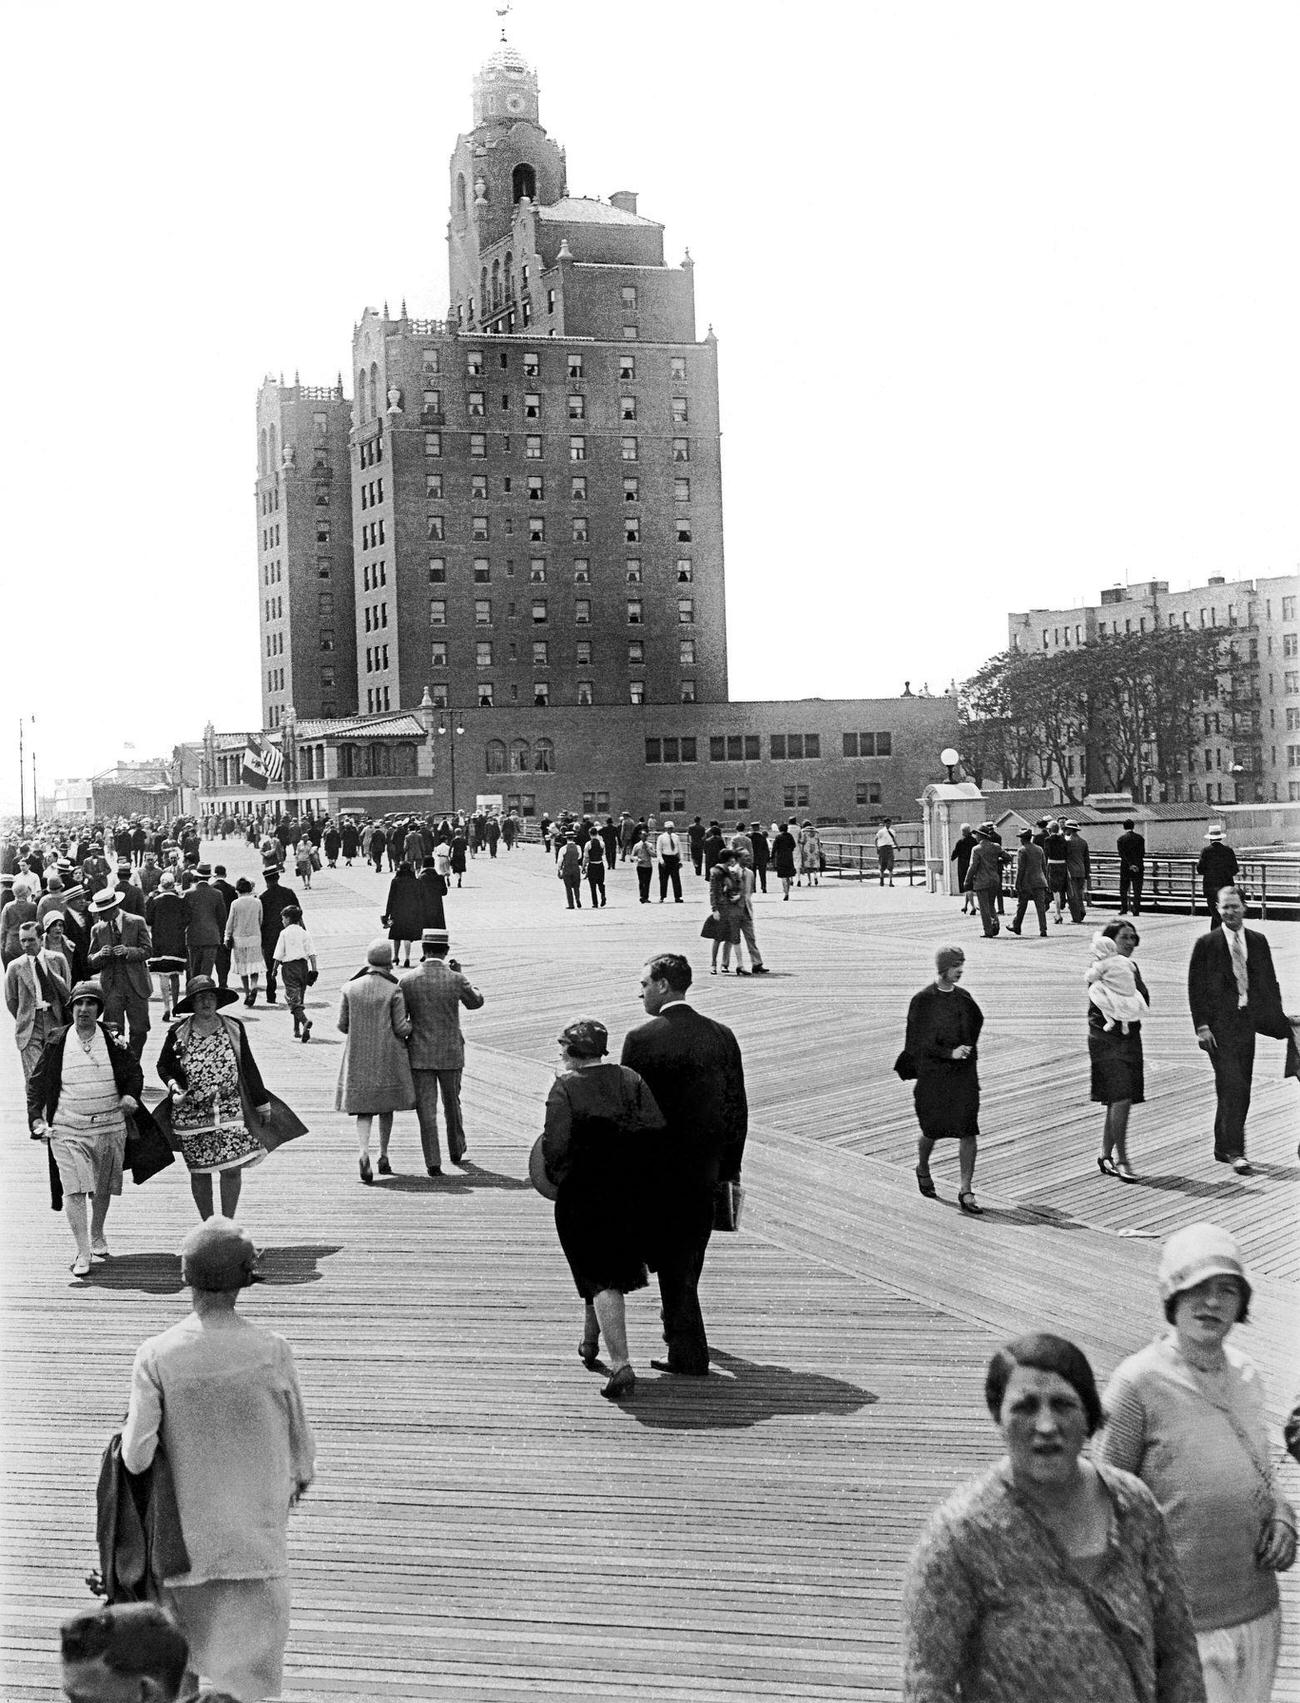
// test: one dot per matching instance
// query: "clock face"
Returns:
(514, 103)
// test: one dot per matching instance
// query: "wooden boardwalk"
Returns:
(485, 1527)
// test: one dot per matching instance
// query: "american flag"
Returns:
(274, 761)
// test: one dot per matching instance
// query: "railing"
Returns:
(319, 393)
(857, 859)
(1272, 885)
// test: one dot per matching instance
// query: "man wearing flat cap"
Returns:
(434, 993)
(222, 1397)
(120, 949)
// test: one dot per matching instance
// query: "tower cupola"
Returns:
(505, 87)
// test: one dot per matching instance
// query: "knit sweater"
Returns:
(1173, 1426)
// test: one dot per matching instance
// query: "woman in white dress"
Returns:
(244, 937)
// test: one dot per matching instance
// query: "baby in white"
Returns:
(1112, 985)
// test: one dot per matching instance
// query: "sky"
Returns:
(1005, 298)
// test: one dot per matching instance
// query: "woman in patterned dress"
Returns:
(217, 1095)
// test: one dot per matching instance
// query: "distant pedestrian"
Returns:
(568, 867)
(1131, 850)
(434, 993)
(984, 878)
(940, 1053)
(1078, 872)
(1058, 880)
(668, 850)
(403, 913)
(1217, 867)
(593, 867)
(886, 846)
(222, 1397)
(1115, 1051)
(244, 938)
(695, 840)
(960, 856)
(810, 855)
(375, 1072)
(724, 910)
(745, 869)
(1030, 882)
(783, 856)
(761, 853)
(643, 861)
(295, 952)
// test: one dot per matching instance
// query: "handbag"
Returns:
(905, 1066)
(728, 1204)
(148, 1149)
(710, 928)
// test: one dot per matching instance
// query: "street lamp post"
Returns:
(950, 759)
(450, 724)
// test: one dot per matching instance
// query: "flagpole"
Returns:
(22, 783)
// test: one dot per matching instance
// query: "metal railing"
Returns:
(857, 860)
(1272, 885)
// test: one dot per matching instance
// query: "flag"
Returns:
(273, 760)
(253, 769)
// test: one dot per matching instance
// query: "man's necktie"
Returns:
(1239, 965)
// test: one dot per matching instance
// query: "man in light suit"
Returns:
(434, 994)
(38, 996)
(692, 1066)
(120, 949)
(1233, 991)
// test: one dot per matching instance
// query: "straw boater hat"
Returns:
(107, 899)
(1215, 832)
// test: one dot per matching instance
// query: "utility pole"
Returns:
(22, 783)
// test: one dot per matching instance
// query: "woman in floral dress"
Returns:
(218, 1100)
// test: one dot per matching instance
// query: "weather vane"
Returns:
(503, 12)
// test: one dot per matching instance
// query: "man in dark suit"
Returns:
(229, 895)
(205, 923)
(274, 898)
(1233, 991)
(1132, 850)
(692, 1066)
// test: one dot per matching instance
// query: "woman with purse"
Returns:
(219, 1102)
(1050, 1576)
(943, 1030)
(594, 1153)
(1186, 1414)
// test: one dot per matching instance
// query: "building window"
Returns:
(532, 406)
(475, 404)
(578, 527)
(1288, 608)
(869, 792)
(577, 449)
(577, 405)
(795, 798)
(627, 407)
(537, 529)
(433, 446)
(628, 297)
(635, 612)
(632, 490)
(322, 567)
(539, 610)
(544, 756)
(578, 488)
(486, 693)
(438, 653)
(482, 570)
(685, 571)
(322, 531)
(1290, 645)
(435, 528)
(688, 691)
(735, 798)
(636, 650)
(532, 449)
(680, 411)
(541, 694)
(477, 443)
(537, 570)
(581, 570)
(686, 652)
(483, 653)
(433, 400)
(326, 605)
(685, 611)
(582, 616)
(586, 692)
(627, 367)
(868, 744)
(437, 570)
(575, 366)
(540, 653)
(629, 448)
(495, 757)
(632, 530)
(536, 489)
(636, 691)
(683, 530)
(582, 655)
(629, 333)
(681, 449)
(483, 612)
(326, 639)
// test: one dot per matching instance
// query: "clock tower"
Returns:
(506, 160)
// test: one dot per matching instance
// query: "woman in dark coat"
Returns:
(376, 847)
(164, 913)
(596, 1154)
(783, 856)
(458, 853)
(330, 842)
(943, 1028)
(404, 913)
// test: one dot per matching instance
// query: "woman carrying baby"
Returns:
(1117, 1003)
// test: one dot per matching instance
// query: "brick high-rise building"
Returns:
(304, 525)
(537, 500)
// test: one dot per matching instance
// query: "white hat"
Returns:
(1195, 1253)
(1215, 832)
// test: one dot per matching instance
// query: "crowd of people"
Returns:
(1144, 1566)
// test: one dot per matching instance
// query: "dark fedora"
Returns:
(203, 984)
